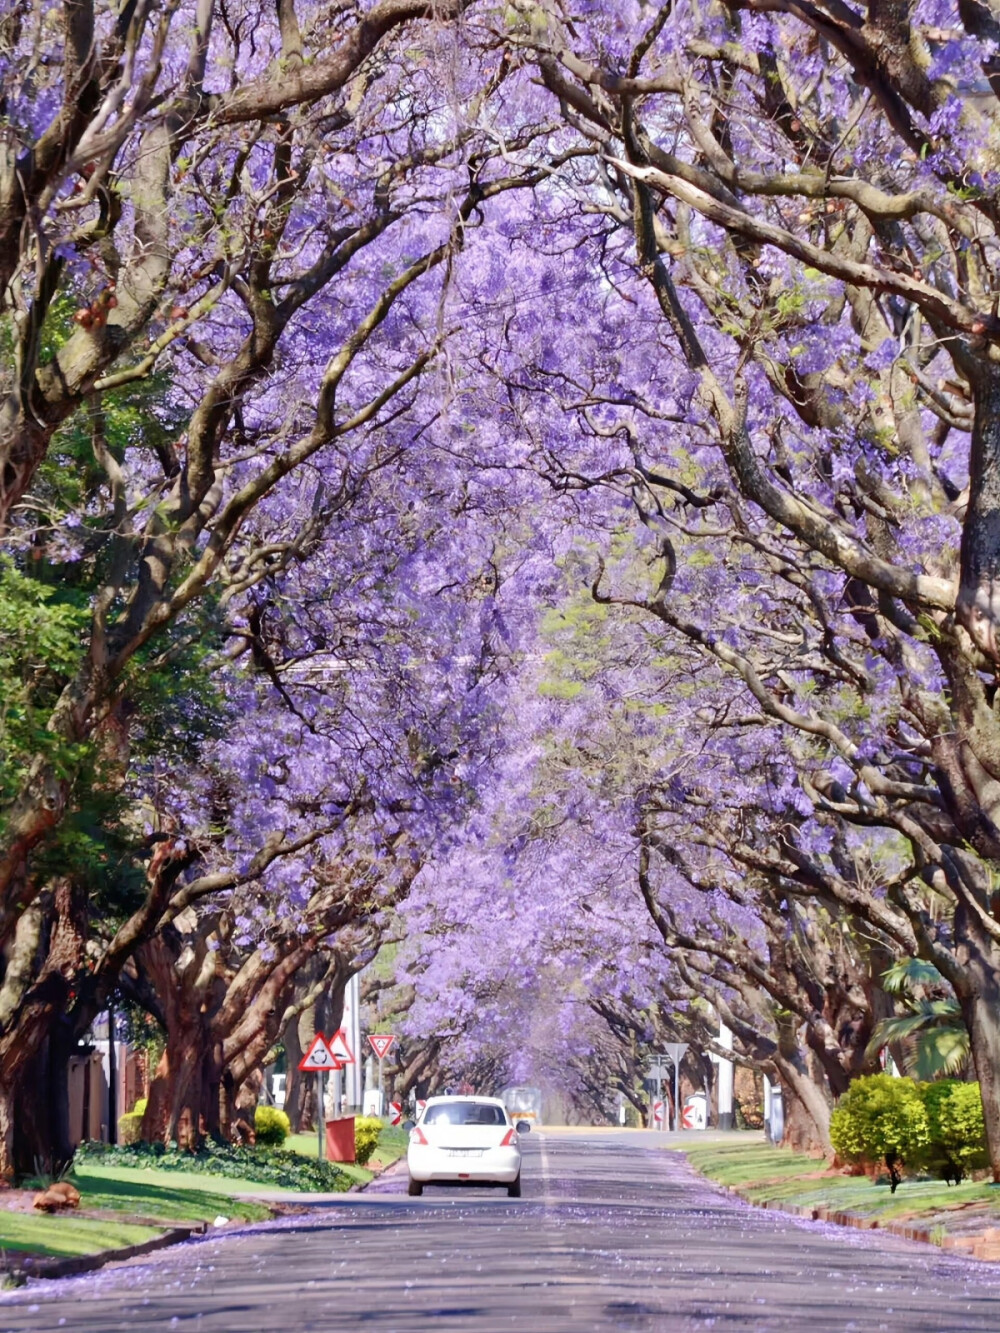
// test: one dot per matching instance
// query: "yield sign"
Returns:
(395, 1113)
(319, 1059)
(381, 1044)
(339, 1048)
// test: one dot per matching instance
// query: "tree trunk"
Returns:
(36, 1009)
(806, 1105)
(177, 1093)
(978, 990)
(6, 1133)
(978, 604)
(299, 1032)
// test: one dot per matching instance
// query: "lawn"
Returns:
(391, 1146)
(132, 1206)
(761, 1172)
(167, 1196)
(66, 1235)
(126, 1205)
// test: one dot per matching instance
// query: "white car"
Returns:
(465, 1141)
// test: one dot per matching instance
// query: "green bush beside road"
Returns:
(957, 1129)
(881, 1118)
(271, 1127)
(927, 1127)
(367, 1129)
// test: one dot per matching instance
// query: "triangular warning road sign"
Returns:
(380, 1044)
(319, 1059)
(339, 1048)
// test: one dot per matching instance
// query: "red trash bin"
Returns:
(340, 1139)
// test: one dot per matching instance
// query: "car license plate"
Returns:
(465, 1152)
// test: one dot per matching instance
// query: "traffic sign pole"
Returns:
(319, 1116)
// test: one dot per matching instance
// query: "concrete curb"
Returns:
(984, 1245)
(33, 1265)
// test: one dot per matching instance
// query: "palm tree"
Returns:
(931, 1032)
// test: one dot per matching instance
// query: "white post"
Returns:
(351, 1023)
(725, 1068)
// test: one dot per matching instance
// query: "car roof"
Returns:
(458, 1097)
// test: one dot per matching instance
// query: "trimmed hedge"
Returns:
(271, 1126)
(367, 1128)
(935, 1127)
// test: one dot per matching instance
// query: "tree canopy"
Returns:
(515, 483)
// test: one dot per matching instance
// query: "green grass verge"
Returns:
(165, 1196)
(762, 1172)
(65, 1235)
(306, 1146)
(149, 1203)
(391, 1146)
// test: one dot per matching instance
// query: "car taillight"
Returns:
(417, 1135)
(509, 1139)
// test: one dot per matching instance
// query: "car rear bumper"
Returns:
(500, 1166)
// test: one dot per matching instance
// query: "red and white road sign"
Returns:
(339, 1048)
(319, 1059)
(381, 1044)
(395, 1113)
(659, 1110)
(695, 1113)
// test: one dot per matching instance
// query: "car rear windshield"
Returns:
(464, 1113)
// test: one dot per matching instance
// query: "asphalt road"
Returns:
(612, 1233)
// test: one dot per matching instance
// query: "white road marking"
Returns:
(547, 1196)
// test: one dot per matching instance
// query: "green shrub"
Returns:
(957, 1129)
(264, 1166)
(130, 1127)
(881, 1118)
(272, 1126)
(140, 1107)
(366, 1131)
